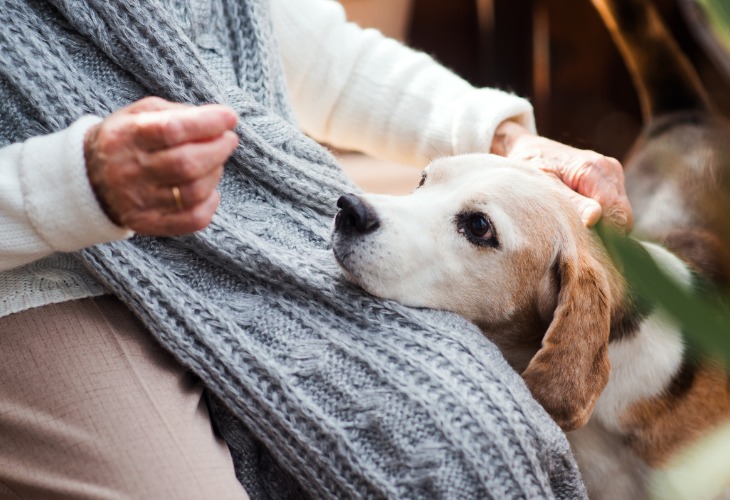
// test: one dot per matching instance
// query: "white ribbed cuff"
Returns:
(480, 113)
(59, 199)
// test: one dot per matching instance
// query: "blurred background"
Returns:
(557, 53)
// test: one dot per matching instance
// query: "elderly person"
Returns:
(171, 322)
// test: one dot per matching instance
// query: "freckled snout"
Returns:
(355, 217)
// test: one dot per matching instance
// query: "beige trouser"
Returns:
(91, 407)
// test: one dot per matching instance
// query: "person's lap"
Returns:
(90, 406)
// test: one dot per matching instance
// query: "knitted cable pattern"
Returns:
(319, 389)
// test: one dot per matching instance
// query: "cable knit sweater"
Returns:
(319, 389)
(413, 109)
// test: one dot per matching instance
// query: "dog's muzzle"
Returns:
(355, 217)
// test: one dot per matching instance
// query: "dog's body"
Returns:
(501, 244)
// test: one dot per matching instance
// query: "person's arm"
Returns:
(354, 88)
(46, 202)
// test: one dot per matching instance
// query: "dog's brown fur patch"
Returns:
(571, 369)
(661, 426)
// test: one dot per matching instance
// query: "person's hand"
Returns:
(154, 165)
(596, 181)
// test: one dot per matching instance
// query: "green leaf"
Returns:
(705, 321)
(718, 15)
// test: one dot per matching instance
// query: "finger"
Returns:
(571, 170)
(193, 193)
(153, 103)
(185, 163)
(154, 223)
(172, 127)
(619, 214)
(589, 209)
(616, 207)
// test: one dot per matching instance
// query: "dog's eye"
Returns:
(478, 225)
(477, 228)
(423, 178)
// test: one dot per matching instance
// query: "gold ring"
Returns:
(178, 197)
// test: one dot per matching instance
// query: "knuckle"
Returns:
(616, 166)
(107, 137)
(609, 163)
(152, 101)
(142, 131)
(599, 165)
(154, 129)
(591, 161)
(172, 130)
(115, 141)
(613, 162)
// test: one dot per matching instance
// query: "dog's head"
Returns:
(500, 244)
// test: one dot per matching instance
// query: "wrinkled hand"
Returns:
(154, 165)
(596, 182)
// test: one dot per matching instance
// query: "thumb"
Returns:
(589, 209)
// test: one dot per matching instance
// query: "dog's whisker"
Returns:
(435, 150)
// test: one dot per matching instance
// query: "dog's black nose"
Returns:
(355, 215)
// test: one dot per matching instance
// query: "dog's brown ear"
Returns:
(571, 369)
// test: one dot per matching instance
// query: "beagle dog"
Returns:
(500, 244)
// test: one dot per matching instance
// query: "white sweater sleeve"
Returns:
(46, 202)
(354, 88)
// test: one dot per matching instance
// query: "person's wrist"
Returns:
(93, 172)
(506, 136)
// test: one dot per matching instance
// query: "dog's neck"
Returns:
(628, 309)
(520, 337)
(646, 350)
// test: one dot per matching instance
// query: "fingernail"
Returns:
(590, 215)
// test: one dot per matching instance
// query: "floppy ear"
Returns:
(571, 369)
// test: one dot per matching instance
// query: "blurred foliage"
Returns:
(700, 473)
(703, 470)
(704, 320)
(718, 14)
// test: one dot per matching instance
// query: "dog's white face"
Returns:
(501, 245)
(478, 237)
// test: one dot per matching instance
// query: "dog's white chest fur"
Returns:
(644, 364)
(641, 367)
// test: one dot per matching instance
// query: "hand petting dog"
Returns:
(596, 181)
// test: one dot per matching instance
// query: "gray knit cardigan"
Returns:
(320, 390)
